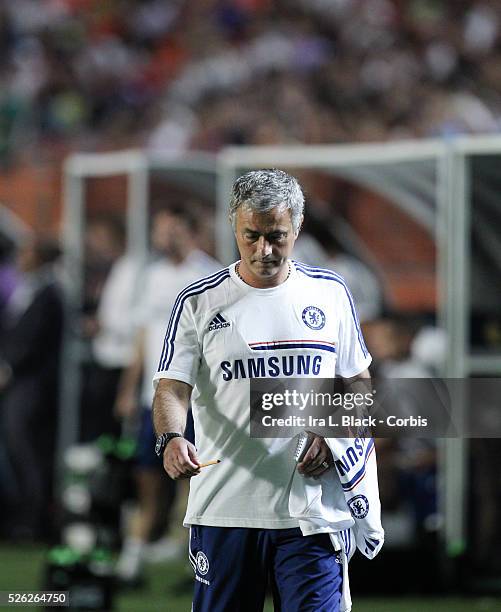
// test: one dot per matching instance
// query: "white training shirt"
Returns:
(113, 345)
(162, 282)
(221, 333)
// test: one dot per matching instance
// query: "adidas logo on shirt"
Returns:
(218, 322)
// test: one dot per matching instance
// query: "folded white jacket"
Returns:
(344, 502)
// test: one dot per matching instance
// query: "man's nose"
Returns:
(264, 246)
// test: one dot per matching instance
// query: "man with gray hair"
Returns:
(265, 316)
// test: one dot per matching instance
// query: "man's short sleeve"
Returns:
(180, 356)
(353, 356)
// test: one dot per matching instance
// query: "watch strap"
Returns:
(163, 439)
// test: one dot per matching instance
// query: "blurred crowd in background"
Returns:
(176, 75)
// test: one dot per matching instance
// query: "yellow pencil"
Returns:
(212, 462)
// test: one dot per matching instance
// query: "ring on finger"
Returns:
(325, 465)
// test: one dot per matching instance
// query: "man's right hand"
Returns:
(180, 459)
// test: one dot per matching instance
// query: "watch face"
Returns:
(158, 445)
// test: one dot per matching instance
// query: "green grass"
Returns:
(425, 604)
(167, 589)
(21, 567)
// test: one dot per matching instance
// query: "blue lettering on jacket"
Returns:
(351, 457)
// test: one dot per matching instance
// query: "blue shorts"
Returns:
(145, 452)
(233, 567)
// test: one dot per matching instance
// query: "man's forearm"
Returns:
(361, 387)
(170, 406)
(131, 377)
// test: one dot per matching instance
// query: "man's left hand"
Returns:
(317, 460)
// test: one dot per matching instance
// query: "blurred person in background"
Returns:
(391, 338)
(174, 239)
(405, 349)
(107, 324)
(30, 347)
(104, 245)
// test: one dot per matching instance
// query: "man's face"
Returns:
(168, 234)
(265, 241)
